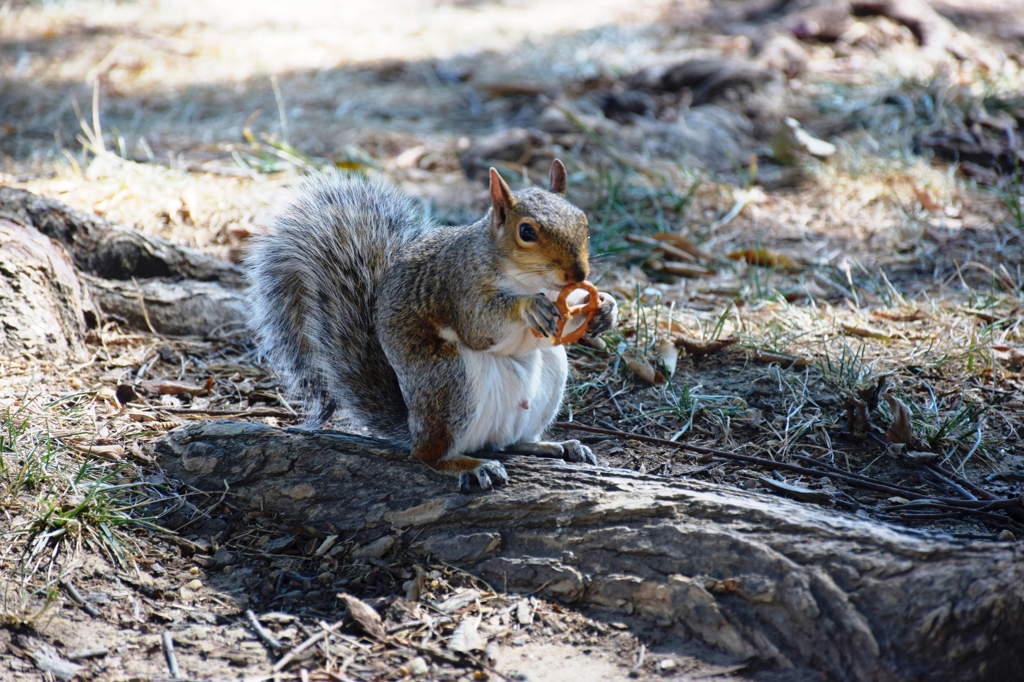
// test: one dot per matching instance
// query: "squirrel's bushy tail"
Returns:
(314, 278)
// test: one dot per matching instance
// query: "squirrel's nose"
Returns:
(577, 273)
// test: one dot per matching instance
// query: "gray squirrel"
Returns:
(437, 338)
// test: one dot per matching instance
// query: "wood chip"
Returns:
(643, 369)
(365, 615)
(524, 613)
(457, 601)
(467, 637)
(49, 661)
(326, 545)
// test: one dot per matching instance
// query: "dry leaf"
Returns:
(414, 590)
(694, 347)
(668, 356)
(901, 430)
(900, 317)
(466, 638)
(857, 416)
(666, 248)
(864, 332)
(684, 243)
(684, 270)
(765, 258)
(787, 361)
(643, 369)
(112, 452)
(410, 157)
(178, 388)
(365, 615)
(927, 203)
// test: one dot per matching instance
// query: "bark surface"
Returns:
(41, 306)
(105, 249)
(128, 275)
(177, 308)
(754, 576)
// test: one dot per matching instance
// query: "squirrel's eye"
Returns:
(527, 233)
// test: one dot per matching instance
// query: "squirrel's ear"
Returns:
(501, 198)
(556, 178)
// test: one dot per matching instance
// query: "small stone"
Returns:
(157, 568)
(194, 570)
(1007, 536)
(417, 666)
(186, 594)
(520, 641)
(223, 557)
(667, 664)
(194, 585)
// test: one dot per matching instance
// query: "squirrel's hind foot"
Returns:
(568, 450)
(575, 451)
(488, 474)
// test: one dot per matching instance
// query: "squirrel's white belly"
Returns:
(514, 396)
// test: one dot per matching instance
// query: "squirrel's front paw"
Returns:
(542, 315)
(488, 473)
(604, 317)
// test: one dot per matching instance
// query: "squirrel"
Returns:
(425, 333)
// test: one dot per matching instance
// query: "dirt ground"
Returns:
(844, 293)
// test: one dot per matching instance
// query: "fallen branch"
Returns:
(759, 578)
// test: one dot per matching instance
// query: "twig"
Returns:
(262, 632)
(96, 652)
(725, 454)
(310, 641)
(905, 492)
(949, 483)
(640, 655)
(142, 304)
(172, 658)
(266, 412)
(976, 489)
(855, 480)
(77, 597)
